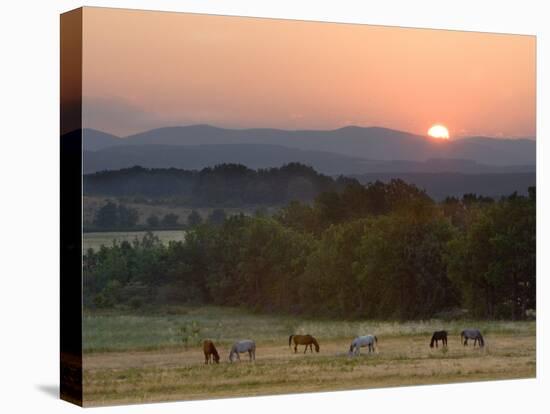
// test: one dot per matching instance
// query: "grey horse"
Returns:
(246, 345)
(472, 334)
(368, 340)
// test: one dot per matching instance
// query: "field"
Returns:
(91, 204)
(95, 240)
(149, 357)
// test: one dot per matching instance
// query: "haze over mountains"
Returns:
(487, 166)
(349, 150)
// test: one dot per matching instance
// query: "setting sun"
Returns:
(438, 131)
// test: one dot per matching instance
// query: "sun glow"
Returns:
(438, 131)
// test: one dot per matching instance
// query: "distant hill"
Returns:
(372, 143)
(94, 140)
(229, 185)
(196, 157)
(234, 185)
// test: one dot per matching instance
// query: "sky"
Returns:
(143, 70)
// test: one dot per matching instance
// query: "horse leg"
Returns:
(295, 348)
(206, 359)
(311, 348)
(437, 343)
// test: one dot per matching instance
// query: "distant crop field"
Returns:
(96, 240)
(152, 357)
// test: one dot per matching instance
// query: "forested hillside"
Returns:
(225, 185)
(385, 251)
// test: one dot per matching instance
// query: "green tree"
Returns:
(194, 219)
(216, 217)
(494, 262)
(153, 221)
(329, 285)
(170, 220)
(299, 216)
(127, 216)
(107, 216)
(401, 266)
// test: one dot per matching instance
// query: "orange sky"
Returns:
(143, 70)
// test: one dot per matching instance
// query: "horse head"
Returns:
(317, 347)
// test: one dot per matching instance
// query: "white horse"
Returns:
(245, 345)
(361, 341)
(472, 334)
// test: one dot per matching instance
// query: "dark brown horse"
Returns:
(210, 351)
(306, 340)
(438, 336)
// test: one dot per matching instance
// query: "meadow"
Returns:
(94, 240)
(153, 356)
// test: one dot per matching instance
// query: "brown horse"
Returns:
(210, 351)
(306, 340)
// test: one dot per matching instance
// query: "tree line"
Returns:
(384, 251)
(224, 185)
(117, 216)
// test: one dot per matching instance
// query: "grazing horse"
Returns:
(306, 340)
(472, 334)
(210, 351)
(245, 345)
(438, 336)
(368, 340)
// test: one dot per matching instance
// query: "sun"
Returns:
(438, 131)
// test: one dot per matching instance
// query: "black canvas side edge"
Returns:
(71, 207)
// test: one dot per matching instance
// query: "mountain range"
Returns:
(348, 150)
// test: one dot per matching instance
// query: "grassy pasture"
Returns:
(140, 357)
(95, 240)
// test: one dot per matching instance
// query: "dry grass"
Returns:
(154, 328)
(94, 240)
(177, 374)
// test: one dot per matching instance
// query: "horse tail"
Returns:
(376, 339)
(351, 347)
(432, 341)
(290, 340)
(462, 337)
(481, 340)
